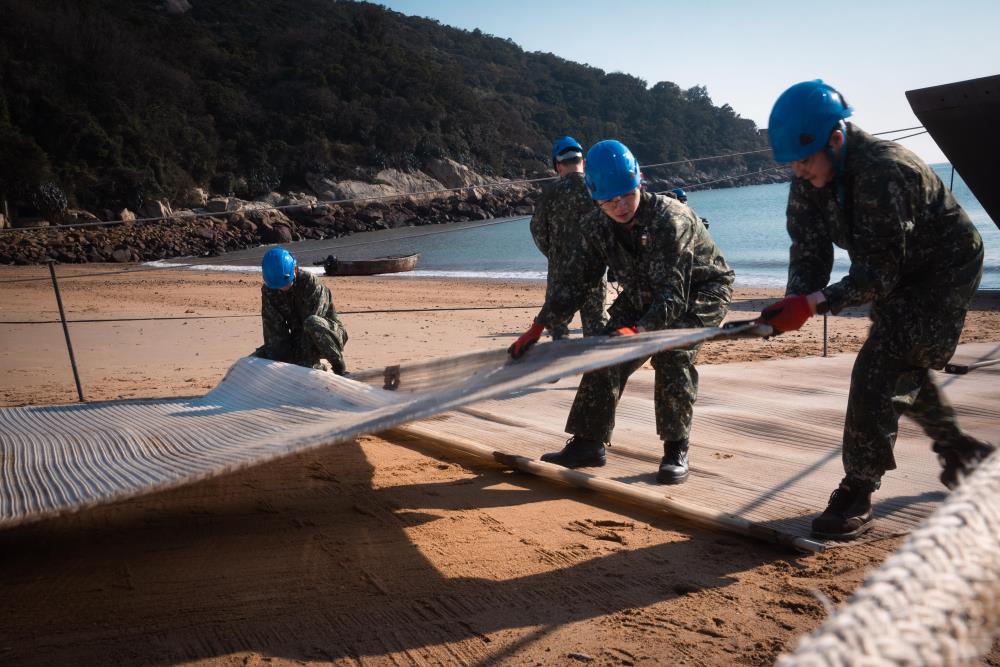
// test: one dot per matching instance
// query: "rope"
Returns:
(257, 315)
(727, 178)
(903, 129)
(935, 601)
(361, 243)
(356, 200)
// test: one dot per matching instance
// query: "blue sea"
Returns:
(748, 223)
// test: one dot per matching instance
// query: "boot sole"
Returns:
(671, 480)
(574, 466)
(860, 530)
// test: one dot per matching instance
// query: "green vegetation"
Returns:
(108, 103)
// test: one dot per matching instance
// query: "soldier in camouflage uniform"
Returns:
(556, 222)
(300, 322)
(915, 256)
(672, 275)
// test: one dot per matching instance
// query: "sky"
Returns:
(746, 53)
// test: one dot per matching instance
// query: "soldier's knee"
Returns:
(315, 323)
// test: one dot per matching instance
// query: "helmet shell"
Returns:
(611, 170)
(566, 148)
(803, 118)
(681, 195)
(278, 267)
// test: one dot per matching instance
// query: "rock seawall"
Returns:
(227, 224)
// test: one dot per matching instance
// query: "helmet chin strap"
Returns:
(839, 160)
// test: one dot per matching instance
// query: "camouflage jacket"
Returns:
(283, 313)
(665, 261)
(556, 221)
(892, 214)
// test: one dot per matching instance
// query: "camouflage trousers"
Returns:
(675, 387)
(319, 338)
(916, 330)
(593, 313)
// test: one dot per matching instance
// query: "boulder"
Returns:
(126, 215)
(455, 175)
(4, 223)
(176, 7)
(220, 205)
(408, 183)
(388, 183)
(194, 198)
(271, 199)
(156, 209)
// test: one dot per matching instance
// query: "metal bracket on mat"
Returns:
(391, 378)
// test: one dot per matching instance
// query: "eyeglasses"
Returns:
(612, 204)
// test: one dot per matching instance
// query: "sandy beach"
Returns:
(380, 551)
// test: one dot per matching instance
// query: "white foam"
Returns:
(161, 264)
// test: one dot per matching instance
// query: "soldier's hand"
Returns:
(624, 331)
(526, 340)
(789, 314)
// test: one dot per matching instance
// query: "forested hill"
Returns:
(117, 101)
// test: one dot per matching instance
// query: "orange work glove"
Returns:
(788, 314)
(527, 339)
(624, 331)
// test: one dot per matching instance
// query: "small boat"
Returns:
(368, 267)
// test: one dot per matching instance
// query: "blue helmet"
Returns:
(611, 170)
(681, 195)
(803, 118)
(565, 148)
(278, 267)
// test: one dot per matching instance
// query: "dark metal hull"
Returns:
(962, 118)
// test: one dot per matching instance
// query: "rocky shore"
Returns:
(240, 225)
(208, 226)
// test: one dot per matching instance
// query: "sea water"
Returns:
(748, 223)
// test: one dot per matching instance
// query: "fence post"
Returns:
(825, 318)
(62, 316)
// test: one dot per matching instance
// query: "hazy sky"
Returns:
(747, 52)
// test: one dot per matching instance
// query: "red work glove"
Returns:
(788, 314)
(527, 339)
(624, 331)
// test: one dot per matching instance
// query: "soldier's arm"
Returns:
(883, 211)
(670, 268)
(277, 337)
(318, 301)
(810, 258)
(583, 268)
(539, 225)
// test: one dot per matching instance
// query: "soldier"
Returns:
(683, 198)
(915, 256)
(300, 321)
(672, 275)
(557, 221)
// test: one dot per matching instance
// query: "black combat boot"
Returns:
(848, 514)
(674, 464)
(579, 452)
(960, 458)
(338, 366)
